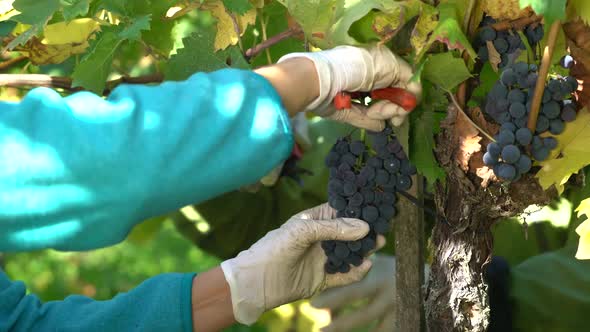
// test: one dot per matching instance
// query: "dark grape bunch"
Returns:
(505, 42)
(363, 184)
(509, 103)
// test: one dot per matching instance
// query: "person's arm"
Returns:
(241, 289)
(161, 303)
(77, 173)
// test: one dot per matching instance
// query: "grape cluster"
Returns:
(363, 184)
(505, 42)
(509, 103)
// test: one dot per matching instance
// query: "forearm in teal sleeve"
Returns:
(161, 303)
(77, 173)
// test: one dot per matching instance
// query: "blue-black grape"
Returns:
(542, 123)
(568, 114)
(506, 137)
(556, 126)
(524, 164)
(370, 213)
(404, 182)
(524, 136)
(341, 250)
(386, 211)
(338, 203)
(506, 172)
(357, 148)
(382, 177)
(566, 61)
(489, 160)
(494, 149)
(354, 245)
(508, 77)
(487, 34)
(517, 110)
(540, 154)
(551, 110)
(516, 96)
(550, 143)
(508, 126)
(352, 211)
(356, 199)
(510, 154)
(392, 164)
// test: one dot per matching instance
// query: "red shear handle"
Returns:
(398, 96)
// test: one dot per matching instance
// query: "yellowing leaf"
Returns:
(427, 21)
(6, 10)
(75, 32)
(579, 8)
(573, 152)
(584, 230)
(61, 41)
(226, 27)
(504, 9)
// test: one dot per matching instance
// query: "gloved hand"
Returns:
(349, 68)
(379, 287)
(287, 264)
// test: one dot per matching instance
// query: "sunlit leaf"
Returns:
(571, 154)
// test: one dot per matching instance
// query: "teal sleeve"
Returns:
(161, 303)
(77, 173)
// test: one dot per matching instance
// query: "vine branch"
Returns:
(543, 71)
(9, 63)
(517, 24)
(255, 50)
(454, 100)
(38, 80)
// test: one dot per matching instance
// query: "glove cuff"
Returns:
(245, 309)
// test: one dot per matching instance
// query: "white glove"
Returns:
(287, 264)
(349, 68)
(379, 287)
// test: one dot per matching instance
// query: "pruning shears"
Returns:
(399, 96)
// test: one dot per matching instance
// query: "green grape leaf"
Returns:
(133, 31)
(444, 70)
(327, 23)
(487, 79)
(198, 55)
(550, 9)
(239, 7)
(24, 37)
(159, 36)
(91, 73)
(581, 9)
(34, 11)
(571, 155)
(449, 32)
(74, 8)
(424, 122)
(128, 8)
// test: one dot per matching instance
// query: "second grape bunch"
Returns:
(509, 103)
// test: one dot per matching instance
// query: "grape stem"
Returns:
(543, 71)
(426, 209)
(468, 118)
(9, 63)
(517, 24)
